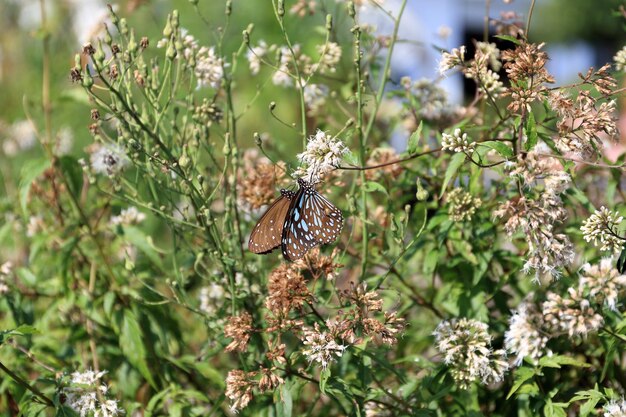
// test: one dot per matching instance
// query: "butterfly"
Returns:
(297, 222)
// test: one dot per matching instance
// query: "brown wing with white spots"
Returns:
(267, 233)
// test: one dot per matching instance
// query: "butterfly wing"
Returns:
(312, 220)
(297, 238)
(324, 219)
(266, 235)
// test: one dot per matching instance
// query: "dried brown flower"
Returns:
(319, 265)
(239, 386)
(276, 352)
(269, 380)
(75, 75)
(259, 179)
(382, 156)
(238, 328)
(95, 114)
(144, 42)
(139, 79)
(287, 290)
(88, 49)
(114, 72)
(525, 67)
(583, 124)
(303, 7)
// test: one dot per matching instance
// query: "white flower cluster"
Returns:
(315, 97)
(282, 76)
(450, 60)
(323, 154)
(321, 346)
(620, 59)
(457, 142)
(483, 69)
(601, 229)
(525, 336)
(573, 314)
(432, 100)
(211, 298)
(109, 159)
(20, 136)
(538, 217)
(603, 282)
(615, 409)
(209, 68)
(87, 395)
(128, 216)
(254, 56)
(466, 348)
(330, 55)
(462, 205)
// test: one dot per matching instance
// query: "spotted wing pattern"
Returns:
(312, 220)
(266, 235)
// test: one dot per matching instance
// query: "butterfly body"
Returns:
(310, 220)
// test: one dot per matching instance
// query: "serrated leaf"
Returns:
(455, 163)
(503, 149)
(522, 375)
(531, 133)
(131, 343)
(30, 171)
(509, 38)
(414, 139)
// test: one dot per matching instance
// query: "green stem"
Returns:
(26, 385)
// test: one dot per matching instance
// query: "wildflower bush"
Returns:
(480, 269)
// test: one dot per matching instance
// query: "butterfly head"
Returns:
(287, 193)
(304, 184)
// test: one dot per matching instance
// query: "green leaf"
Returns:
(414, 139)
(558, 360)
(522, 375)
(502, 148)
(64, 411)
(30, 171)
(371, 186)
(324, 376)
(73, 172)
(531, 133)
(509, 38)
(77, 95)
(131, 343)
(143, 243)
(554, 409)
(284, 402)
(455, 163)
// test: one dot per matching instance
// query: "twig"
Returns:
(26, 385)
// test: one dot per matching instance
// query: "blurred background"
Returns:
(579, 34)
